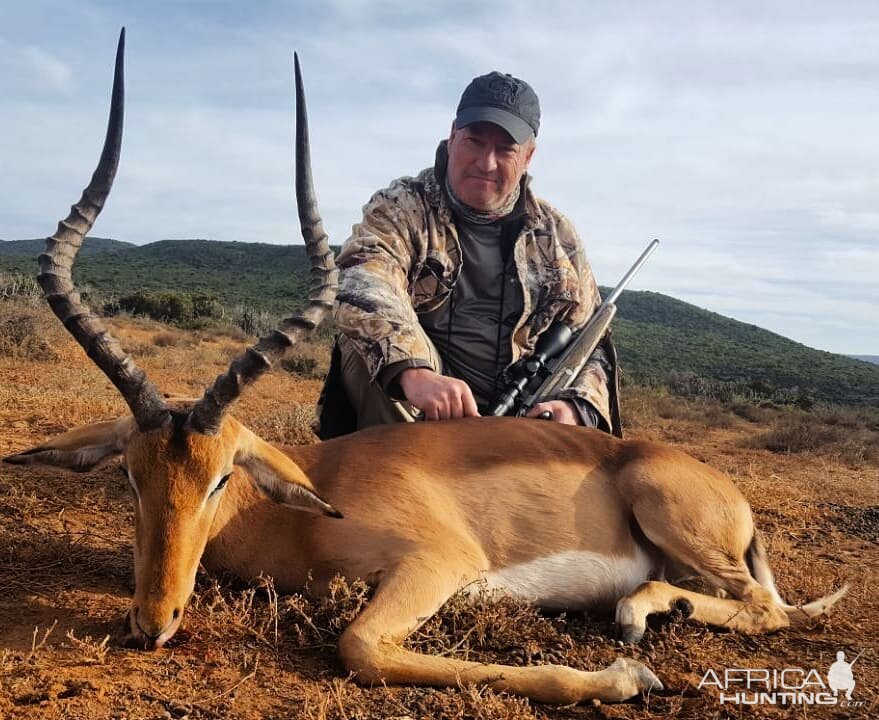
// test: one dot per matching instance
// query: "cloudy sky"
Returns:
(744, 134)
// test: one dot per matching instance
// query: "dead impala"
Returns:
(564, 517)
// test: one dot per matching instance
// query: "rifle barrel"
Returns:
(618, 290)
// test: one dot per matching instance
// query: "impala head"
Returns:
(177, 460)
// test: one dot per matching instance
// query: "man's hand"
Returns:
(437, 396)
(562, 411)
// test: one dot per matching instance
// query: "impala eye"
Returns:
(222, 483)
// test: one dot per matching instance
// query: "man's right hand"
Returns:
(437, 396)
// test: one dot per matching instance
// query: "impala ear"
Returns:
(278, 477)
(79, 449)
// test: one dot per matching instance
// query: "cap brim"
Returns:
(518, 129)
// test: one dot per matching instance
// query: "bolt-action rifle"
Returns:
(560, 354)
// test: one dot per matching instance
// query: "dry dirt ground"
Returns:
(66, 576)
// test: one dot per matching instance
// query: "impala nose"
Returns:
(150, 633)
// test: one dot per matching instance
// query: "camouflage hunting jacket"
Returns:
(405, 256)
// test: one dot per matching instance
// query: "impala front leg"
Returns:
(415, 590)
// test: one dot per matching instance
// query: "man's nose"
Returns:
(487, 161)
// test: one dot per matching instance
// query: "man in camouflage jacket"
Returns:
(452, 276)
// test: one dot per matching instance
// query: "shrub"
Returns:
(173, 307)
(689, 384)
(305, 366)
(254, 322)
(308, 359)
(748, 410)
(174, 339)
(26, 332)
(797, 434)
(166, 339)
(14, 285)
(223, 331)
(207, 306)
(717, 416)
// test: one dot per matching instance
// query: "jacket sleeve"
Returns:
(373, 305)
(595, 384)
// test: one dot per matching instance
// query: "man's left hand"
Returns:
(562, 411)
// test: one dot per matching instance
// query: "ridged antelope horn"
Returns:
(56, 266)
(207, 415)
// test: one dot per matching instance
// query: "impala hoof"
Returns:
(632, 678)
(631, 634)
(648, 681)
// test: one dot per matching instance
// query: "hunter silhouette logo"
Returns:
(789, 686)
(840, 676)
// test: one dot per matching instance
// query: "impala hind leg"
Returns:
(756, 614)
(413, 592)
(697, 519)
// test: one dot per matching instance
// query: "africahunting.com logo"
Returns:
(790, 686)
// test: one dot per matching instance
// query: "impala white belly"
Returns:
(575, 579)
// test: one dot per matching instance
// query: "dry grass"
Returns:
(309, 360)
(248, 652)
(835, 432)
(27, 332)
(170, 338)
(221, 332)
(287, 423)
(796, 435)
(846, 435)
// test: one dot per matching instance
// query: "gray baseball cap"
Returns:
(503, 100)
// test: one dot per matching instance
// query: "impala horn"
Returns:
(207, 415)
(56, 266)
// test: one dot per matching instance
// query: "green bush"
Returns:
(173, 307)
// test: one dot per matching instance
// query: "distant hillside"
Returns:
(32, 248)
(656, 335)
(267, 277)
(867, 358)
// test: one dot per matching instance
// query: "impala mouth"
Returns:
(140, 639)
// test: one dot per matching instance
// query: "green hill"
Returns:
(867, 358)
(268, 277)
(22, 249)
(658, 337)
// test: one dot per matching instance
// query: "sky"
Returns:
(743, 135)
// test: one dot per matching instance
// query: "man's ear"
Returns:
(529, 153)
(278, 477)
(79, 449)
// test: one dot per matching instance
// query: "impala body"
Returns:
(561, 516)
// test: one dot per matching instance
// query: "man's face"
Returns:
(485, 164)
